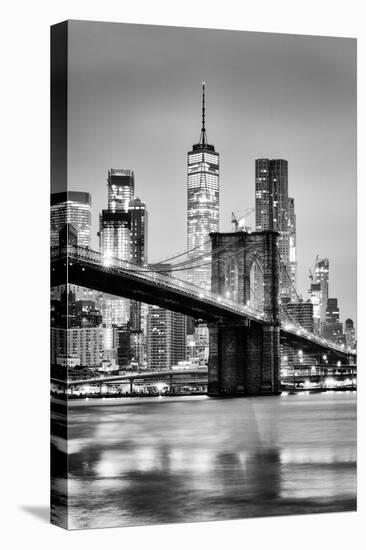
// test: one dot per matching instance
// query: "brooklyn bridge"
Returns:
(249, 326)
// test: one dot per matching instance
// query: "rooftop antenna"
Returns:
(203, 138)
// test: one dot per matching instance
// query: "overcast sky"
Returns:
(135, 102)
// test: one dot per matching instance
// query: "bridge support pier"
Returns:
(244, 360)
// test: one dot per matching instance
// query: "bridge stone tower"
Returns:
(244, 357)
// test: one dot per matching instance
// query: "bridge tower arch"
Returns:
(244, 357)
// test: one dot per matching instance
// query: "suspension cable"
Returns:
(183, 253)
(204, 264)
(282, 263)
(207, 253)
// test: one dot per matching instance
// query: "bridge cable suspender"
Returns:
(204, 254)
(183, 253)
(204, 264)
(195, 258)
(282, 263)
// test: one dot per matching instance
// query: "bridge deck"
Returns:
(85, 267)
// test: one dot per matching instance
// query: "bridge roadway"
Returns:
(300, 375)
(86, 267)
(146, 375)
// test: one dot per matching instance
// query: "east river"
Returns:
(157, 460)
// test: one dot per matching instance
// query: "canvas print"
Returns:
(203, 274)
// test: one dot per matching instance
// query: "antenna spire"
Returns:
(203, 138)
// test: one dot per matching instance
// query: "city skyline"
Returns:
(299, 106)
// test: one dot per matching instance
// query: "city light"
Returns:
(107, 258)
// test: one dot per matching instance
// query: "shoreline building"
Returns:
(275, 210)
(165, 333)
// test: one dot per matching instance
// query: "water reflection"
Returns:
(194, 459)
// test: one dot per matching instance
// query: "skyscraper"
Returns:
(139, 226)
(333, 328)
(115, 222)
(318, 292)
(165, 333)
(71, 207)
(302, 313)
(350, 333)
(202, 203)
(121, 189)
(115, 242)
(166, 338)
(138, 240)
(275, 210)
(203, 209)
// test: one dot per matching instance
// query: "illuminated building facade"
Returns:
(275, 210)
(203, 211)
(115, 222)
(115, 234)
(121, 189)
(302, 313)
(350, 333)
(318, 292)
(166, 338)
(138, 246)
(165, 334)
(202, 203)
(86, 344)
(71, 207)
(139, 225)
(333, 328)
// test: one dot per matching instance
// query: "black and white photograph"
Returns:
(203, 274)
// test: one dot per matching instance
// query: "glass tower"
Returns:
(115, 242)
(202, 204)
(165, 333)
(115, 224)
(71, 207)
(318, 292)
(275, 210)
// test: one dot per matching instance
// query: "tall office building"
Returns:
(121, 189)
(350, 333)
(203, 209)
(115, 222)
(318, 292)
(292, 265)
(71, 207)
(165, 333)
(115, 242)
(202, 203)
(123, 235)
(166, 338)
(139, 226)
(302, 313)
(275, 210)
(138, 240)
(333, 328)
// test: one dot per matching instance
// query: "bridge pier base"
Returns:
(244, 360)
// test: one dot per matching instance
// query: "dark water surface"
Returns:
(180, 459)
